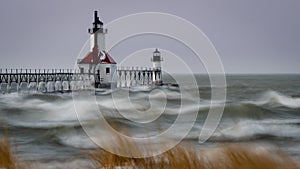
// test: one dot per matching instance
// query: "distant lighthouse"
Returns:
(156, 66)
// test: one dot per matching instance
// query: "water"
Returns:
(264, 109)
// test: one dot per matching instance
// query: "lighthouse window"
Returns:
(107, 70)
(156, 58)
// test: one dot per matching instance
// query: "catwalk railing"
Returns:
(127, 77)
(70, 79)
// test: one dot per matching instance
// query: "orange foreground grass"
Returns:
(7, 159)
(225, 156)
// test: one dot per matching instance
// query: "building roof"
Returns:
(101, 57)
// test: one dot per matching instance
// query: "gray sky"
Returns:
(253, 36)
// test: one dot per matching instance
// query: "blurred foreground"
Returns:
(223, 156)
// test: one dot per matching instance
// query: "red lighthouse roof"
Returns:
(96, 56)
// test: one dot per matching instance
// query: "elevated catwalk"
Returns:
(69, 79)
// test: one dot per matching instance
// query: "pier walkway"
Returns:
(70, 79)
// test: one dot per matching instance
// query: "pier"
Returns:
(128, 77)
(49, 80)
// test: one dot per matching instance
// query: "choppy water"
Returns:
(259, 108)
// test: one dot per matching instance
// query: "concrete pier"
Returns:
(49, 80)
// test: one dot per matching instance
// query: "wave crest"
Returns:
(276, 99)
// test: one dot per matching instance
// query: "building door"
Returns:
(81, 70)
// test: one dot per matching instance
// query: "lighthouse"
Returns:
(97, 62)
(156, 66)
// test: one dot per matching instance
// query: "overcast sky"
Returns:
(253, 36)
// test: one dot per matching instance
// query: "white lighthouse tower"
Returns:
(98, 63)
(97, 34)
(156, 66)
